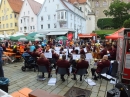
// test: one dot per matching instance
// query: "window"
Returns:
(49, 1)
(80, 8)
(48, 25)
(0, 18)
(33, 27)
(15, 24)
(3, 26)
(58, 14)
(24, 13)
(6, 17)
(20, 28)
(28, 12)
(24, 19)
(54, 16)
(57, 6)
(11, 16)
(0, 26)
(75, 26)
(41, 18)
(48, 17)
(11, 25)
(4, 2)
(3, 18)
(97, 3)
(62, 15)
(104, 3)
(21, 20)
(41, 26)
(45, 9)
(6, 25)
(15, 15)
(71, 25)
(32, 19)
(55, 25)
(65, 15)
(71, 16)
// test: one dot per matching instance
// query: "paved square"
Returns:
(19, 79)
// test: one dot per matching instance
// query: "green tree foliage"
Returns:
(105, 23)
(126, 23)
(119, 11)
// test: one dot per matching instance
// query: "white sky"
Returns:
(40, 1)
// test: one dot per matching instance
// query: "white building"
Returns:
(59, 17)
(28, 16)
(85, 6)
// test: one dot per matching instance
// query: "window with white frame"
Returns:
(33, 27)
(41, 26)
(71, 16)
(65, 15)
(57, 6)
(32, 19)
(41, 18)
(45, 9)
(48, 25)
(15, 24)
(54, 16)
(104, 3)
(11, 25)
(6, 17)
(2, 17)
(48, 17)
(62, 15)
(10, 16)
(15, 15)
(3, 26)
(58, 15)
(20, 28)
(97, 3)
(80, 8)
(6, 25)
(21, 20)
(55, 26)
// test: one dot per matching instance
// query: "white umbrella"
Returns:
(38, 35)
(37, 39)
(18, 34)
(22, 39)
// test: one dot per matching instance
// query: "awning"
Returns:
(115, 35)
(86, 35)
(57, 33)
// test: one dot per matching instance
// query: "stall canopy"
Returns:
(57, 33)
(115, 35)
(87, 35)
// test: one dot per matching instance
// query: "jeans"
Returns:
(1, 69)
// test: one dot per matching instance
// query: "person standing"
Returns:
(1, 68)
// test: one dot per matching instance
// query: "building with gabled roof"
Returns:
(28, 16)
(59, 17)
(9, 10)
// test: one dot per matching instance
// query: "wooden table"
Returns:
(42, 93)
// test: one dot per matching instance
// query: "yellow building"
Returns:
(9, 12)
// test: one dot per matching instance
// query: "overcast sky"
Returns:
(40, 1)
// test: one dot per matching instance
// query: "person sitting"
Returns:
(113, 53)
(103, 51)
(55, 57)
(63, 63)
(81, 64)
(100, 65)
(43, 61)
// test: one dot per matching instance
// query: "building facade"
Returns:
(28, 16)
(9, 13)
(59, 17)
(85, 7)
(98, 6)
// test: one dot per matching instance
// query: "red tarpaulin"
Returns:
(86, 35)
(115, 35)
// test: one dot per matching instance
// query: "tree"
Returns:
(118, 10)
(126, 23)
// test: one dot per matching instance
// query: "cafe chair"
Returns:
(82, 72)
(62, 71)
(41, 69)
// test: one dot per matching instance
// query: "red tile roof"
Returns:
(16, 5)
(79, 1)
(35, 6)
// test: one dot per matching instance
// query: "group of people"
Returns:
(102, 54)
